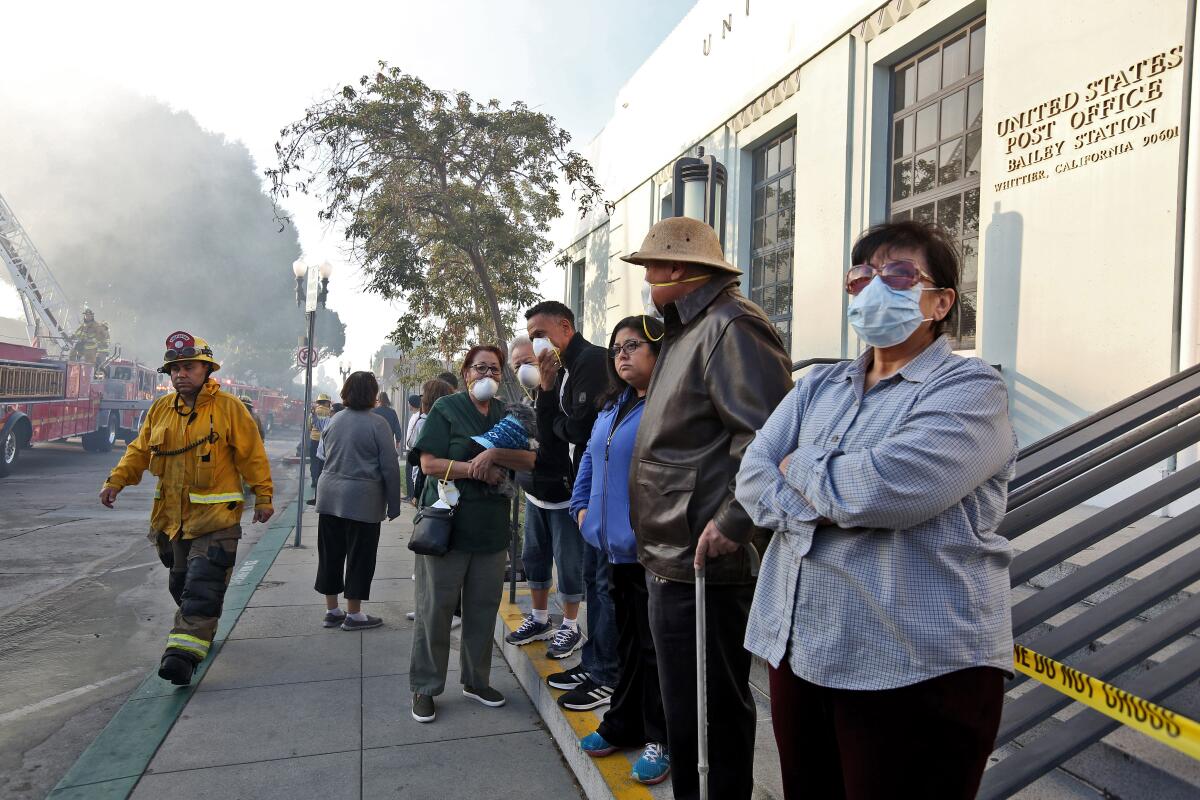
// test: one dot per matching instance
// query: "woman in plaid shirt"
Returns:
(883, 601)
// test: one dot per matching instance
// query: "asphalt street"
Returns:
(84, 608)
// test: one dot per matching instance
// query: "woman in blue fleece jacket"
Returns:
(600, 502)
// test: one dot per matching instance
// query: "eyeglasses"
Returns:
(486, 369)
(628, 348)
(184, 353)
(896, 274)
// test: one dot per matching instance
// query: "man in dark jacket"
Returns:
(722, 371)
(551, 536)
(573, 378)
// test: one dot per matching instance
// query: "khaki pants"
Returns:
(200, 573)
(479, 579)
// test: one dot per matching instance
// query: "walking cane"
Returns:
(701, 684)
(702, 668)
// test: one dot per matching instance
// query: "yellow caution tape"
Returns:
(1149, 718)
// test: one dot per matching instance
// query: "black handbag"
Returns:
(432, 528)
(431, 531)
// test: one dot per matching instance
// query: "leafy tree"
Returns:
(445, 201)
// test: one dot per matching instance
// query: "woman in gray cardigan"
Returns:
(359, 486)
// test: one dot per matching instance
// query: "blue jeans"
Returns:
(599, 654)
(552, 538)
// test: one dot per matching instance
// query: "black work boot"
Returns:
(176, 669)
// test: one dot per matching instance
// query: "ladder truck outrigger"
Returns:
(47, 393)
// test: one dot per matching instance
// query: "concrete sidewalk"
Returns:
(289, 709)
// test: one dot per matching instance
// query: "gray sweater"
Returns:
(361, 476)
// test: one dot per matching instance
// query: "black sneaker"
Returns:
(566, 641)
(530, 631)
(573, 677)
(486, 695)
(586, 696)
(351, 624)
(423, 709)
(176, 669)
(332, 620)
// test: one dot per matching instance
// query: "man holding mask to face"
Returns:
(551, 536)
(573, 376)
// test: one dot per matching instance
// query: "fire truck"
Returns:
(45, 400)
(268, 403)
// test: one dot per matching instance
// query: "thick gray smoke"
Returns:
(159, 225)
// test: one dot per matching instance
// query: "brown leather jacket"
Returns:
(721, 373)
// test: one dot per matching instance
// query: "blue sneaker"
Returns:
(653, 766)
(566, 641)
(530, 631)
(595, 746)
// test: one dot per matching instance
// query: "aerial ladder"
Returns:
(49, 316)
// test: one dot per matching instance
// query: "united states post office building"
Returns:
(1044, 136)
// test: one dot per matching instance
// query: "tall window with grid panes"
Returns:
(771, 245)
(937, 128)
(575, 296)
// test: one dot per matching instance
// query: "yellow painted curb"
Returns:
(614, 770)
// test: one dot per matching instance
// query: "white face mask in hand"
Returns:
(484, 389)
(540, 345)
(529, 375)
(447, 495)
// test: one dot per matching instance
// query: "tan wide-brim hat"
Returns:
(682, 239)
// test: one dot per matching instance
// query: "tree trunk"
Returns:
(508, 388)
(489, 294)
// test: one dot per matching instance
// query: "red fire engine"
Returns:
(268, 402)
(46, 400)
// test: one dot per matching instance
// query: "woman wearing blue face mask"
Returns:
(883, 601)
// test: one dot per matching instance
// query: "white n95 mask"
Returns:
(529, 375)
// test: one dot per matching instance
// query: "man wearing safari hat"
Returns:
(722, 371)
(201, 444)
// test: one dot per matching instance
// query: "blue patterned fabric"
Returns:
(507, 434)
(886, 568)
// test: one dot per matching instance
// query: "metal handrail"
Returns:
(1077, 734)
(1058, 448)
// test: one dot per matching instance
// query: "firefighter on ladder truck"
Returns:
(201, 444)
(90, 340)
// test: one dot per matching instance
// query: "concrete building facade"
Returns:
(1046, 137)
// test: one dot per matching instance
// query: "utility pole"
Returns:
(312, 285)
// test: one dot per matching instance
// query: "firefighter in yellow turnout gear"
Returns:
(91, 339)
(201, 444)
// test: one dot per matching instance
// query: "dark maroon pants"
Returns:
(930, 739)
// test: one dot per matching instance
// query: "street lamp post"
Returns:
(312, 288)
(344, 370)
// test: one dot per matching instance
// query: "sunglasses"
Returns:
(628, 348)
(896, 274)
(185, 353)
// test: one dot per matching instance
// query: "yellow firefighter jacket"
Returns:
(200, 460)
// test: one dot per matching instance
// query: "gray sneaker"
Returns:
(351, 624)
(530, 631)
(566, 641)
(423, 709)
(486, 695)
(332, 620)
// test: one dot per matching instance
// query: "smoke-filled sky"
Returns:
(246, 69)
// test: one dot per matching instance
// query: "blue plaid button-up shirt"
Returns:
(885, 569)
